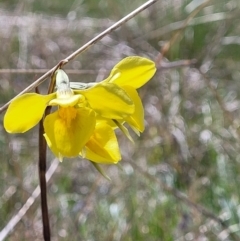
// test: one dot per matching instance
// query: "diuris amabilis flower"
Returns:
(79, 125)
(68, 129)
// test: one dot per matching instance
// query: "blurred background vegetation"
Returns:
(191, 142)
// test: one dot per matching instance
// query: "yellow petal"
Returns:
(25, 112)
(103, 145)
(134, 71)
(136, 120)
(108, 100)
(68, 130)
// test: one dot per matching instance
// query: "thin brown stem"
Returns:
(164, 65)
(176, 64)
(43, 162)
(42, 71)
(43, 184)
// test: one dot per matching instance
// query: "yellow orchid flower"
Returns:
(83, 123)
(68, 129)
